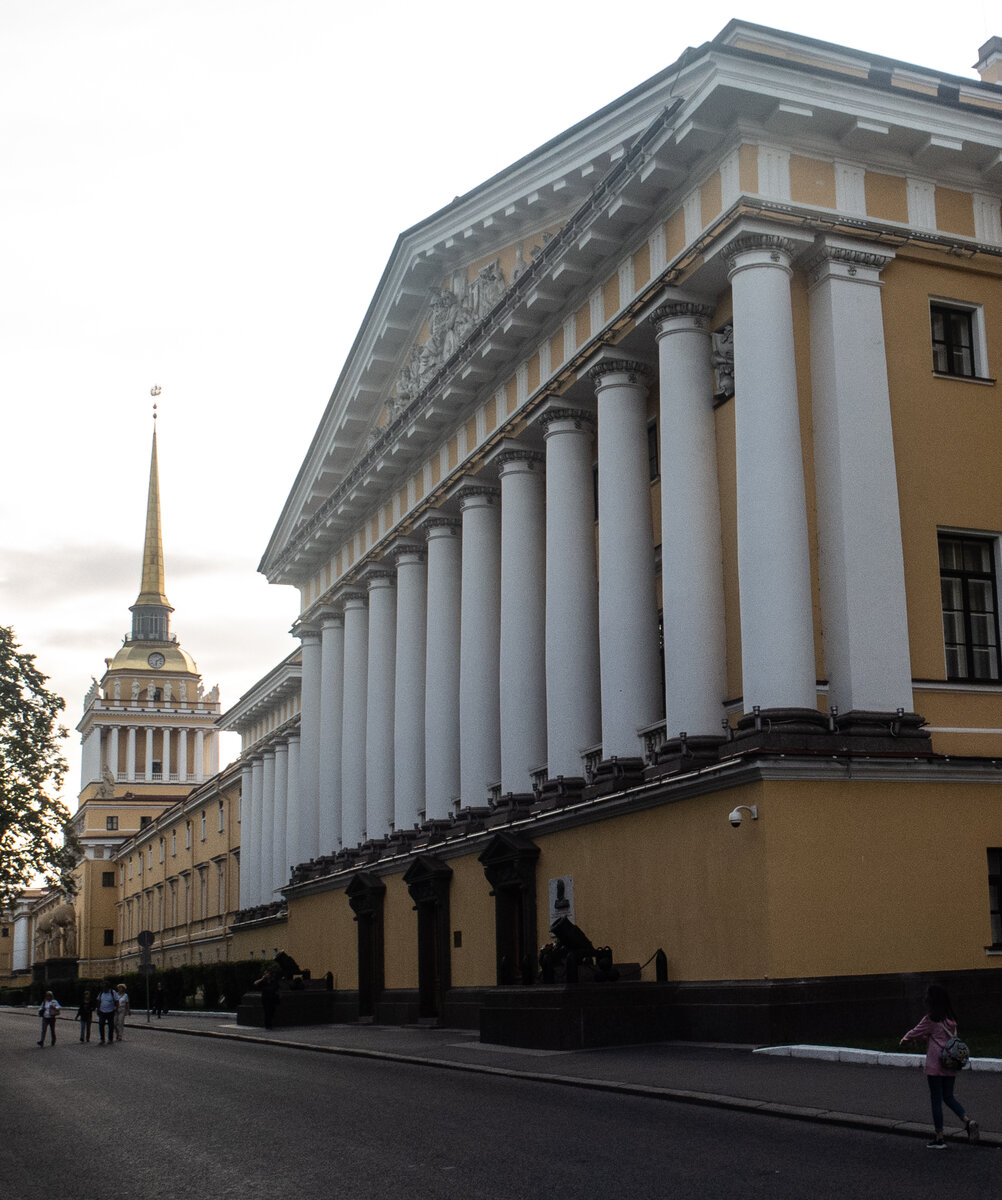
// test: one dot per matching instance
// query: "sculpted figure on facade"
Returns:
(135, 691)
(93, 692)
(106, 788)
(212, 695)
(117, 689)
(184, 692)
(722, 359)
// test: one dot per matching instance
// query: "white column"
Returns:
(148, 756)
(408, 703)
(379, 704)
(480, 644)
(91, 756)
(523, 617)
(356, 657)
(267, 825)
(862, 575)
(113, 752)
(691, 555)
(573, 705)
(291, 816)
(199, 755)
(182, 756)
(628, 615)
(280, 868)
(212, 753)
(130, 752)
(165, 754)
(250, 855)
(441, 714)
(248, 837)
(774, 573)
(308, 839)
(22, 950)
(331, 722)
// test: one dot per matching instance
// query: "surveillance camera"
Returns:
(735, 817)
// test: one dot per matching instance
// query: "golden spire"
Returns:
(152, 597)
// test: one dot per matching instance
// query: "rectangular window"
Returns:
(109, 937)
(969, 588)
(173, 841)
(203, 824)
(144, 821)
(187, 835)
(221, 815)
(958, 339)
(654, 467)
(111, 822)
(162, 849)
(995, 895)
(107, 878)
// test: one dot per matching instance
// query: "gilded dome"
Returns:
(135, 656)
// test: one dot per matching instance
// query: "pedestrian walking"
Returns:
(85, 1015)
(122, 1011)
(268, 983)
(107, 1003)
(160, 1001)
(936, 1028)
(48, 1011)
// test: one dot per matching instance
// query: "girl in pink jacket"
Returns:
(935, 1029)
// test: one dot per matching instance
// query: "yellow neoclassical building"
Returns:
(648, 551)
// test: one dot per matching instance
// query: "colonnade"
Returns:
(482, 648)
(185, 755)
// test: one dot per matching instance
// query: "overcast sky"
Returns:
(202, 194)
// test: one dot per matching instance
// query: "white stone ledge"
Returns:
(878, 1058)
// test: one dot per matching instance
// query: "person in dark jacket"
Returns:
(160, 1001)
(85, 1015)
(268, 983)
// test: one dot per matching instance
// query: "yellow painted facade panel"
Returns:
(532, 373)
(557, 349)
(610, 297)
(748, 168)
(453, 453)
(399, 935)
(675, 234)
(955, 212)
(491, 414)
(471, 435)
(642, 266)
(582, 324)
(812, 181)
(710, 201)
(511, 396)
(886, 197)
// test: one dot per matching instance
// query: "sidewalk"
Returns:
(801, 1083)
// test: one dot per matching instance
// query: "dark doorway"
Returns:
(428, 881)
(509, 863)
(366, 894)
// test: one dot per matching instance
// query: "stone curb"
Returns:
(646, 1091)
(875, 1058)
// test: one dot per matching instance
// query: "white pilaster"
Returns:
(113, 753)
(628, 616)
(356, 654)
(691, 564)
(307, 801)
(148, 755)
(247, 836)
(480, 626)
(777, 634)
(523, 617)
(379, 703)
(408, 705)
(280, 868)
(863, 610)
(182, 756)
(441, 714)
(331, 729)
(91, 756)
(21, 960)
(573, 708)
(130, 752)
(165, 753)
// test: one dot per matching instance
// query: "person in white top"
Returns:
(48, 1012)
(122, 1011)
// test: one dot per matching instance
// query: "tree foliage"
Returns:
(33, 835)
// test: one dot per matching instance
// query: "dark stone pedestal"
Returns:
(559, 792)
(679, 755)
(577, 1016)
(312, 1006)
(511, 807)
(615, 775)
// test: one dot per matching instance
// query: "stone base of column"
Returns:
(615, 775)
(401, 840)
(434, 830)
(471, 819)
(897, 732)
(372, 850)
(559, 792)
(679, 755)
(783, 730)
(511, 807)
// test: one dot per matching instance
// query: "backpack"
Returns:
(955, 1055)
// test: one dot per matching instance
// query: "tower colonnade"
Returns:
(501, 653)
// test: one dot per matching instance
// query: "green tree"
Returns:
(33, 836)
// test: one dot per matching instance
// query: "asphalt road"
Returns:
(165, 1117)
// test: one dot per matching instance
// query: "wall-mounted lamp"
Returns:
(735, 817)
